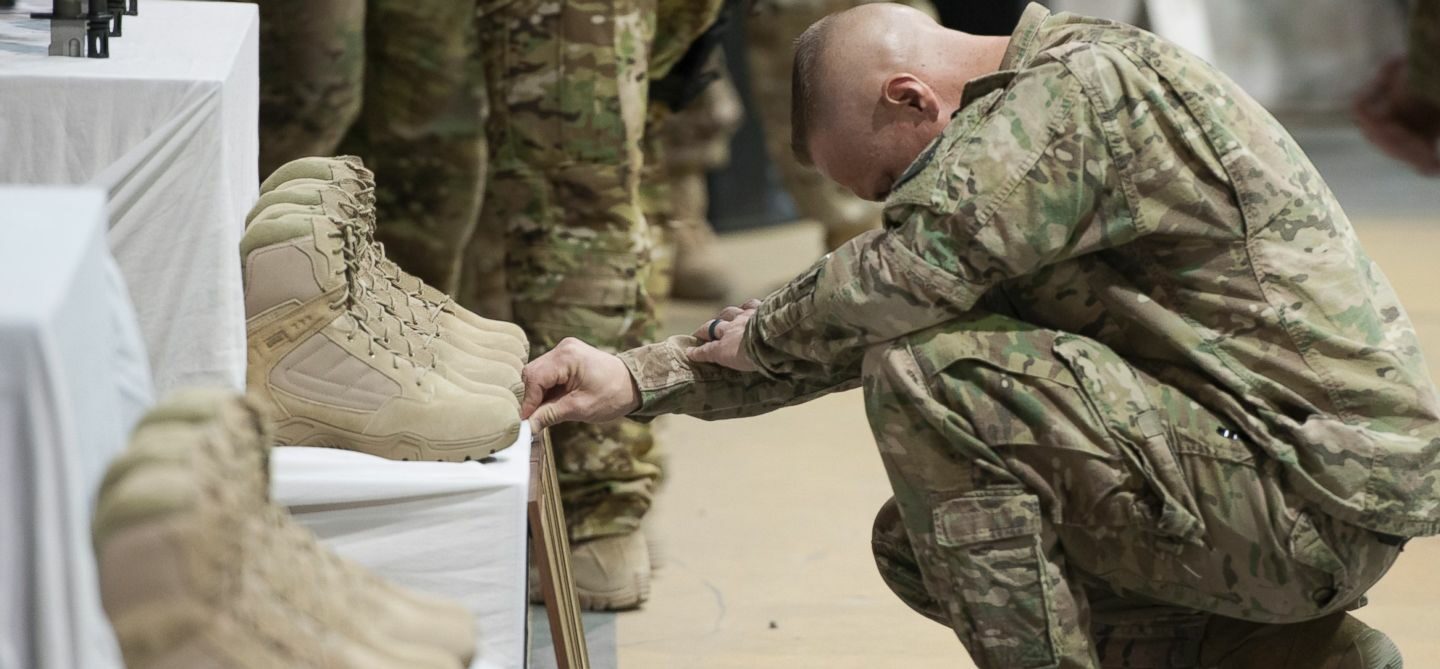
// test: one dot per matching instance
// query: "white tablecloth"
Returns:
(73, 381)
(452, 529)
(167, 127)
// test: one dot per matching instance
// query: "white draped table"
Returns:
(167, 128)
(73, 382)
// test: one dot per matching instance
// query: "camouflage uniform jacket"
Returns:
(1106, 183)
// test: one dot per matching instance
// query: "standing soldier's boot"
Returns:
(612, 573)
(699, 272)
(1337, 641)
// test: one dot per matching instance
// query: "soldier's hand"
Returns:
(577, 382)
(1398, 122)
(726, 347)
(725, 316)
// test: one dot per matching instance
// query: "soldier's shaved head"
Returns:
(844, 48)
(873, 85)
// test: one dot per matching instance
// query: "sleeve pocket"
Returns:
(991, 543)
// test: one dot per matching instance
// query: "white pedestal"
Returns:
(452, 529)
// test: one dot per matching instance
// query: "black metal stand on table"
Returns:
(84, 34)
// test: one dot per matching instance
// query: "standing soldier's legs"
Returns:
(697, 140)
(312, 60)
(657, 204)
(568, 93)
(1043, 486)
(422, 131)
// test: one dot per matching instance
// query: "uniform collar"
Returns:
(1019, 51)
(1023, 40)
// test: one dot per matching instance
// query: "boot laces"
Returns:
(357, 299)
(371, 255)
(374, 250)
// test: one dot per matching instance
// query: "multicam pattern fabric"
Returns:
(568, 84)
(1036, 470)
(1125, 360)
(1425, 49)
(397, 83)
(422, 131)
(1109, 184)
(678, 24)
(312, 74)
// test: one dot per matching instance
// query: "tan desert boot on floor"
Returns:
(699, 270)
(327, 378)
(1337, 641)
(319, 582)
(182, 577)
(349, 173)
(611, 573)
(324, 198)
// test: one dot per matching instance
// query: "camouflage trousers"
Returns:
(1058, 507)
(398, 83)
(568, 81)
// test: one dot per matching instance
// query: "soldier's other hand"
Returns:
(726, 348)
(1403, 125)
(726, 315)
(577, 382)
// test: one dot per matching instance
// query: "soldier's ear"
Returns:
(907, 91)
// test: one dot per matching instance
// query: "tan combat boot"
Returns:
(185, 580)
(431, 305)
(315, 581)
(328, 378)
(611, 573)
(1337, 641)
(699, 270)
(323, 197)
(480, 373)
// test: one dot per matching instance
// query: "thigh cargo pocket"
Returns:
(1119, 400)
(990, 542)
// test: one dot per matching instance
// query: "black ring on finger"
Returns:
(714, 323)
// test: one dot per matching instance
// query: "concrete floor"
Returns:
(765, 522)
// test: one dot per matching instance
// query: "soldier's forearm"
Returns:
(670, 383)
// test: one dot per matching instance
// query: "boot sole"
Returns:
(402, 446)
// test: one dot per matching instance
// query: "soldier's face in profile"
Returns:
(857, 165)
(866, 149)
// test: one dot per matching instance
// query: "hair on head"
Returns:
(804, 97)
